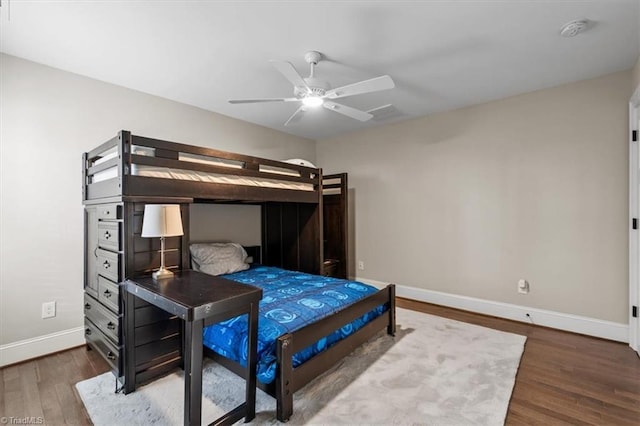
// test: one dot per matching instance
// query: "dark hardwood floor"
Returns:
(563, 378)
(44, 388)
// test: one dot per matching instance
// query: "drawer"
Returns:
(108, 265)
(329, 267)
(108, 294)
(109, 235)
(103, 318)
(100, 343)
(109, 211)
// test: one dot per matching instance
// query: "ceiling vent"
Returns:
(573, 28)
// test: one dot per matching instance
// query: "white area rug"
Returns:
(435, 371)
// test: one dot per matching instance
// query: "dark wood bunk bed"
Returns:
(125, 173)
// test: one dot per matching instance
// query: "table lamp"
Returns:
(162, 220)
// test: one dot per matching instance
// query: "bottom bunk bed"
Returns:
(306, 324)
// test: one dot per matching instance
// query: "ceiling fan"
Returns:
(313, 92)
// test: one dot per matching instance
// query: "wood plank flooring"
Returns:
(563, 378)
(44, 388)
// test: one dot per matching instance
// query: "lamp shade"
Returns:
(162, 220)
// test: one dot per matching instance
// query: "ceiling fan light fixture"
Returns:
(312, 101)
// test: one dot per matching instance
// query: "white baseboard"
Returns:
(567, 322)
(23, 350)
(32, 348)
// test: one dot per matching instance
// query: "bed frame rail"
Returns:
(250, 166)
(107, 188)
(311, 333)
(135, 150)
(290, 380)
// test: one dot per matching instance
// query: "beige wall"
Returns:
(48, 119)
(221, 222)
(467, 202)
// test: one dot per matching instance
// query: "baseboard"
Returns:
(567, 322)
(23, 350)
(32, 348)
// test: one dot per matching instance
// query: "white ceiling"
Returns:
(442, 55)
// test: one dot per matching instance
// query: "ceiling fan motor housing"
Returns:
(317, 86)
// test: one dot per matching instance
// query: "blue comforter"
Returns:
(290, 301)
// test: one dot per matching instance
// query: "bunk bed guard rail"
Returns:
(130, 165)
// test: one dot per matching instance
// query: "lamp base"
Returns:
(162, 273)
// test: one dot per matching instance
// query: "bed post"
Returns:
(391, 328)
(124, 153)
(284, 375)
(85, 164)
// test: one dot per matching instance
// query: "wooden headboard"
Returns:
(254, 252)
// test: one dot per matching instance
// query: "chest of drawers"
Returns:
(103, 272)
(115, 251)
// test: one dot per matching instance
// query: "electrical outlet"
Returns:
(48, 309)
(361, 265)
(523, 286)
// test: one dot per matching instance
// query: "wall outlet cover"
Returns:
(48, 309)
(523, 286)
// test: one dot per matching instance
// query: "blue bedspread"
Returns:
(290, 301)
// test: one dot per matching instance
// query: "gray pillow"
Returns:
(218, 258)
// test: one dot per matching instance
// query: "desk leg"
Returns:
(252, 344)
(193, 372)
(129, 342)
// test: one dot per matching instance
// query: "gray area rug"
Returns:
(435, 371)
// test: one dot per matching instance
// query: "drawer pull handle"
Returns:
(111, 355)
(111, 326)
(106, 212)
(87, 306)
(87, 332)
(107, 293)
(106, 264)
(107, 235)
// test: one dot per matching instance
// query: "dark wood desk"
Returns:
(200, 300)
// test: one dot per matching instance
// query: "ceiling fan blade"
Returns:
(373, 85)
(290, 73)
(296, 115)
(348, 111)
(253, 101)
